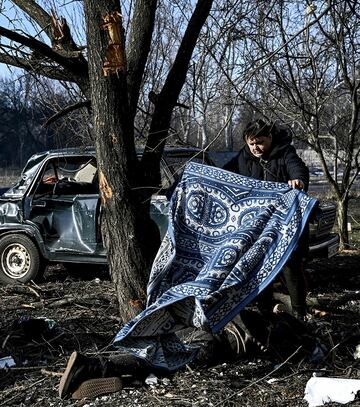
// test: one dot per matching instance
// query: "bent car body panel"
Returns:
(10, 212)
(69, 224)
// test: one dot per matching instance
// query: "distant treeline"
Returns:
(24, 108)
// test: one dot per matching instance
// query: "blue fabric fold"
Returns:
(228, 238)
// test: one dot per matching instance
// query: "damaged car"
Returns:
(52, 214)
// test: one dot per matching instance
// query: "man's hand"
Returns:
(296, 183)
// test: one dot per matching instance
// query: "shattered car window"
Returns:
(69, 176)
(49, 176)
(78, 169)
(26, 177)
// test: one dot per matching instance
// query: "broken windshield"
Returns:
(26, 177)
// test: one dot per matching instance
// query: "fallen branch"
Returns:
(21, 289)
(49, 373)
(67, 300)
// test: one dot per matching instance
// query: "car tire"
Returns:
(20, 259)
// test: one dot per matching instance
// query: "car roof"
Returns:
(65, 152)
(90, 150)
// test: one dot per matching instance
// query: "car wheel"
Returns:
(20, 260)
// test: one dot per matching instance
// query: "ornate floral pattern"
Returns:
(228, 237)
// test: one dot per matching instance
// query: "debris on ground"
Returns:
(323, 390)
(80, 313)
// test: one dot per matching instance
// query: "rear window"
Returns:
(176, 162)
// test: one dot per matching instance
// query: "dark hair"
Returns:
(257, 128)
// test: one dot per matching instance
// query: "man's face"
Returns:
(259, 145)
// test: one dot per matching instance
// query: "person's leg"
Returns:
(295, 277)
(90, 377)
(295, 283)
(227, 345)
(211, 348)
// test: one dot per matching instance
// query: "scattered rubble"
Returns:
(80, 313)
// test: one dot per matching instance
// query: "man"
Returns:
(268, 155)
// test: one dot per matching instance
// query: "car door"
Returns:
(65, 206)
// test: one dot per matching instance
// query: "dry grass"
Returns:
(8, 176)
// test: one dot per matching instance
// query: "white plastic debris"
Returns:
(357, 352)
(166, 381)
(7, 362)
(151, 380)
(321, 390)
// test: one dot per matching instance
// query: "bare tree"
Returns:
(111, 76)
(307, 63)
(216, 72)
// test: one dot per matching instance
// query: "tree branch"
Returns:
(66, 110)
(37, 13)
(177, 75)
(73, 64)
(174, 82)
(139, 47)
(50, 72)
(49, 24)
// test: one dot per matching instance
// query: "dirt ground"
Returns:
(81, 313)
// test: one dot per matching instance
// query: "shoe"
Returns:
(257, 328)
(93, 388)
(79, 369)
(236, 339)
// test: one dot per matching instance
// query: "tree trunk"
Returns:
(115, 145)
(342, 220)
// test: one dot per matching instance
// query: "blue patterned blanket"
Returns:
(228, 237)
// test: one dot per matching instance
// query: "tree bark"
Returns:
(139, 46)
(117, 164)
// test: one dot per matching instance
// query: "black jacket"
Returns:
(282, 164)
